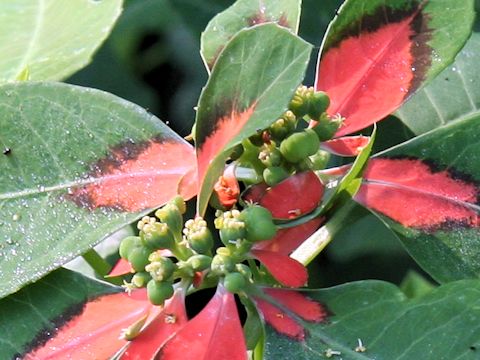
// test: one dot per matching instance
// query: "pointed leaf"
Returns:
(82, 165)
(214, 334)
(378, 52)
(427, 191)
(50, 39)
(452, 96)
(440, 325)
(170, 320)
(284, 269)
(232, 107)
(67, 315)
(243, 14)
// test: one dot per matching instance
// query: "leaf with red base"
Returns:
(287, 240)
(171, 319)
(243, 14)
(378, 52)
(232, 107)
(214, 334)
(293, 197)
(427, 190)
(69, 317)
(346, 146)
(284, 269)
(74, 183)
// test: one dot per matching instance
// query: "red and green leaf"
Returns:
(215, 333)
(378, 52)
(232, 107)
(68, 316)
(388, 324)
(66, 184)
(427, 190)
(244, 14)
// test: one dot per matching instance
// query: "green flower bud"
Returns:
(171, 215)
(198, 235)
(327, 127)
(299, 104)
(320, 160)
(138, 257)
(275, 174)
(234, 282)
(222, 264)
(140, 279)
(270, 155)
(300, 145)
(180, 202)
(159, 291)
(199, 262)
(244, 270)
(259, 223)
(231, 228)
(161, 269)
(127, 245)
(157, 236)
(284, 126)
(319, 102)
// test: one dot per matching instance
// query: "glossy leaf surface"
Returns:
(441, 325)
(243, 14)
(67, 182)
(232, 107)
(66, 315)
(427, 191)
(377, 53)
(452, 96)
(51, 39)
(215, 333)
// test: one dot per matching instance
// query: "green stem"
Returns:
(97, 263)
(311, 247)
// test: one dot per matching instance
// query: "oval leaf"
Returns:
(389, 325)
(232, 107)
(68, 316)
(378, 52)
(427, 191)
(65, 187)
(243, 14)
(49, 39)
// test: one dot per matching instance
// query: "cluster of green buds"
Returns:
(167, 251)
(288, 146)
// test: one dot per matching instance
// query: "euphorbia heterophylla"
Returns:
(262, 147)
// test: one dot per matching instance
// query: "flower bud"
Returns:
(234, 282)
(222, 264)
(127, 245)
(284, 126)
(299, 104)
(198, 235)
(275, 174)
(300, 145)
(269, 155)
(319, 160)
(327, 127)
(138, 257)
(159, 291)
(199, 262)
(161, 269)
(172, 216)
(318, 104)
(157, 236)
(259, 223)
(140, 279)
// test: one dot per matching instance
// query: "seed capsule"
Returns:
(159, 291)
(300, 145)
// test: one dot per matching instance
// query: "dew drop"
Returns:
(10, 242)
(16, 217)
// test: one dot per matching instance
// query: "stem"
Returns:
(311, 247)
(97, 263)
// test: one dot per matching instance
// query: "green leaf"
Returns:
(52, 38)
(440, 325)
(243, 14)
(67, 315)
(452, 96)
(82, 164)
(233, 107)
(415, 285)
(426, 190)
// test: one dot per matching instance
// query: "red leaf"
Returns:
(170, 320)
(284, 269)
(214, 334)
(280, 321)
(287, 240)
(223, 130)
(122, 267)
(295, 196)
(136, 176)
(299, 304)
(412, 193)
(95, 332)
(346, 146)
(370, 71)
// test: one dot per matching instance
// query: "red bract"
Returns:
(292, 302)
